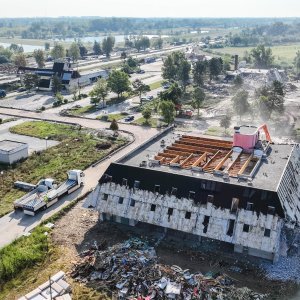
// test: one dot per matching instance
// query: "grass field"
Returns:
(82, 110)
(155, 85)
(77, 150)
(282, 53)
(111, 117)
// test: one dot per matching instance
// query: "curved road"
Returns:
(16, 224)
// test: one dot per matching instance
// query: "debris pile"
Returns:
(131, 270)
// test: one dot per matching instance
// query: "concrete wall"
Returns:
(183, 215)
(289, 187)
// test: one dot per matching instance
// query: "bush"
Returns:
(104, 118)
(66, 101)
(43, 108)
(3, 59)
(82, 96)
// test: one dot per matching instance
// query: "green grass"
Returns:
(152, 122)
(282, 53)
(82, 110)
(111, 117)
(155, 85)
(83, 149)
(23, 253)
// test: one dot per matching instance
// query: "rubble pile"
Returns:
(131, 270)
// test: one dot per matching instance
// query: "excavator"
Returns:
(266, 131)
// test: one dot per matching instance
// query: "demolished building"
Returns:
(241, 192)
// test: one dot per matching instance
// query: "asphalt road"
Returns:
(15, 224)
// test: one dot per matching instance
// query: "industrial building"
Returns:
(11, 151)
(241, 191)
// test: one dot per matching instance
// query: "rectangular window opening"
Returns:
(105, 197)
(246, 228)
(156, 188)
(136, 184)
(170, 211)
(271, 210)
(132, 202)
(192, 195)
(230, 227)
(174, 191)
(188, 215)
(153, 207)
(205, 223)
(267, 232)
(250, 206)
(234, 205)
(121, 200)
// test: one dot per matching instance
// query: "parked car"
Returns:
(149, 98)
(129, 119)
(2, 93)
(140, 71)
(166, 86)
(21, 89)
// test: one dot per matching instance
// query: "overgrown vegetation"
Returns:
(78, 149)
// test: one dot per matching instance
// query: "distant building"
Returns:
(241, 192)
(11, 151)
(69, 77)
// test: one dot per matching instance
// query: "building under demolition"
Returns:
(241, 192)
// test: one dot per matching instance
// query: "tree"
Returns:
(30, 81)
(198, 98)
(147, 114)
(118, 82)
(100, 91)
(39, 57)
(4, 59)
(114, 125)
(16, 48)
(107, 45)
(58, 51)
(199, 70)
(297, 63)
(140, 88)
(158, 43)
(141, 42)
(56, 84)
(167, 109)
(270, 99)
(74, 51)
(184, 73)
(47, 46)
(20, 60)
(262, 57)
(225, 121)
(82, 50)
(240, 103)
(173, 93)
(238, 81)
(215, 67)
(97, 48)
(176, 67)
(123, 55)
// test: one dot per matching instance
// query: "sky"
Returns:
(150, 8)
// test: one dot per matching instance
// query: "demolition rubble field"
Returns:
(105, 260)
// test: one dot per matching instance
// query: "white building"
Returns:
(11, 151)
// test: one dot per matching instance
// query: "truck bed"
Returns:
(26, 198)
(64, 187)
(34, 200)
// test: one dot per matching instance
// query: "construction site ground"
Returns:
(79, 230)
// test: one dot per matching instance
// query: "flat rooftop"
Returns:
(210, 158)
(7, 145)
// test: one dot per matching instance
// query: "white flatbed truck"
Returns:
(31, 203)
